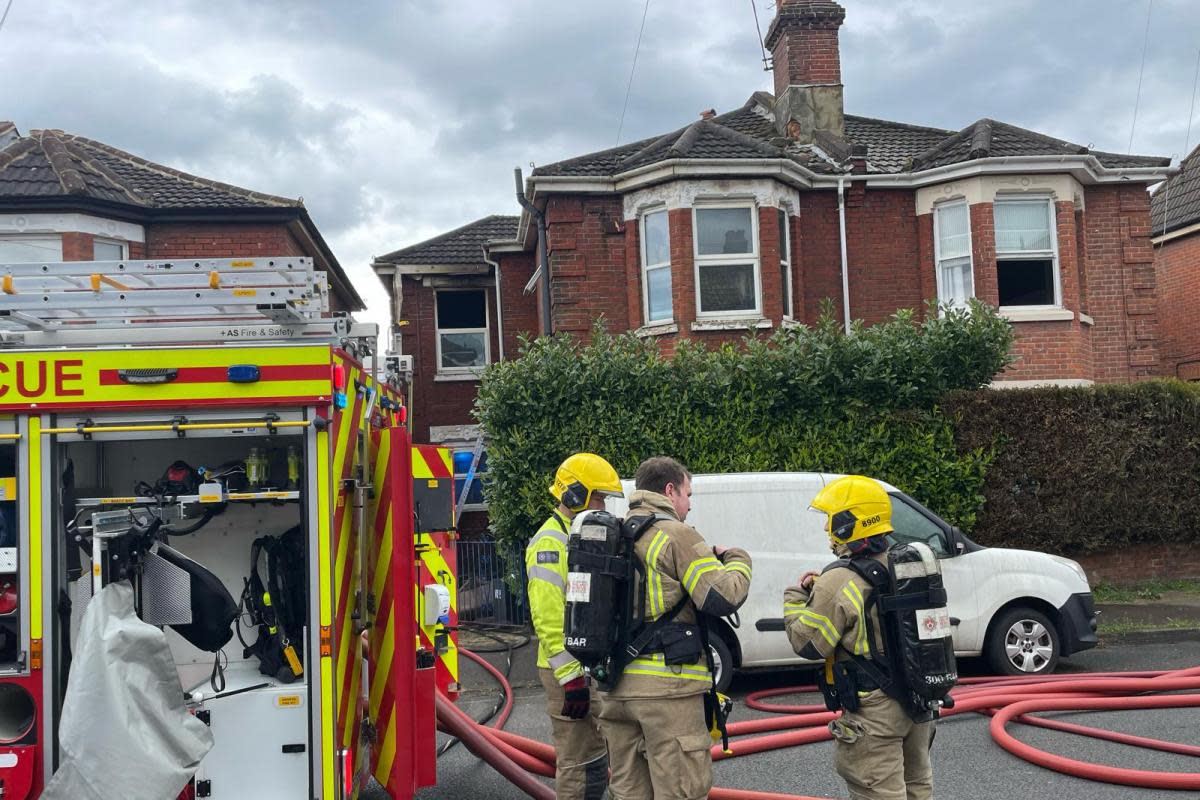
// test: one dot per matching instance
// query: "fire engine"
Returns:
(207, 437)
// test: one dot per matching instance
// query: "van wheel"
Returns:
(1023, 642)
(722, 661)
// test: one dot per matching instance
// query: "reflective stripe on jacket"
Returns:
(832, 613)
(679, 562)
(546, 567)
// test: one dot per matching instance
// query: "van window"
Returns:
(913, 526)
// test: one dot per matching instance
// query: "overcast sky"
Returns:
(398, 120)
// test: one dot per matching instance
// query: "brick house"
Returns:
(748, 220)
(1175, 216)
(64, 197)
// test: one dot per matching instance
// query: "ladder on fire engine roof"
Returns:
(241, 300)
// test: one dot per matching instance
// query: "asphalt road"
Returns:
(967, 763)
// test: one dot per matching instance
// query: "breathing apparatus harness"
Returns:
(276, 606)
(917, 667)
(605, 627)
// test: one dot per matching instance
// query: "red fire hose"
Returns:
(1006, 699)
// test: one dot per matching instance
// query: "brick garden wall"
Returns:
(1131, 565)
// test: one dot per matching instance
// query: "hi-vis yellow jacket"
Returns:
(679, 562)
(546, 566)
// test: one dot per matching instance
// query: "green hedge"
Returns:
(1087, 469)
(802, 399)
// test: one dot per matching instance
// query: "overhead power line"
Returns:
(1138, 99)
(629, 86)
(7, 8)
(1192, 111)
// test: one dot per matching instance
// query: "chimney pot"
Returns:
(708, 113)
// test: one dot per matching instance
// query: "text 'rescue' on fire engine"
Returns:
(200, 457)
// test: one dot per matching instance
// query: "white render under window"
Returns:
(1027, 253)
(656, 268)
(727, 260)
(462, 330)
(28, 249)
(952, 253)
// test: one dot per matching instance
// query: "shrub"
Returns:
(1086, 469)
(802, 399)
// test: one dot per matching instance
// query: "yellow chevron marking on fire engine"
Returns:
(325, 605)
(387, 753)
(439, 571)
(34, 481)
(420, 469)
(383, 666)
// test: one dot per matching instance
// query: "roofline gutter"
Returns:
(1176, 233)
(1085, 167)
(341, 280)
(543, 249)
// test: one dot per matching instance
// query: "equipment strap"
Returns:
(643, 639)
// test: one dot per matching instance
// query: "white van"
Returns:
(1019, 608)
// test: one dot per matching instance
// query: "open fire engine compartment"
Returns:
(207, 486)
(230, 487)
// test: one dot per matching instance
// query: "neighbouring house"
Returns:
(64, 197)
(1175, 221)
(748, 220)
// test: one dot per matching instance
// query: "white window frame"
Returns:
(1025, 255)
(937, 248)
(485, 330)
(647, 268)
(105, 240)
(785, 265)
(48, 238)
(753, 257)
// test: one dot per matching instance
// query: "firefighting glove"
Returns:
(579, 699)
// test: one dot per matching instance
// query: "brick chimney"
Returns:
(803, 40)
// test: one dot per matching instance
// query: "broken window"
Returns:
(462, 330)
(1026, 253)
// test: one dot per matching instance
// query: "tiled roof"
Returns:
(50, 163)
(988, 138)
(892, 147)
(460, 246)
(1176, 203)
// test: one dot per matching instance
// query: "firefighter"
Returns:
(881, 752)
(655, 718)
(582, 482)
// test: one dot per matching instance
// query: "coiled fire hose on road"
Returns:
(1007, 700)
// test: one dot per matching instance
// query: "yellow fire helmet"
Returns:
(581, 476)
(857, 507)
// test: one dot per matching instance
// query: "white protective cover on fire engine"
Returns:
(125, 730)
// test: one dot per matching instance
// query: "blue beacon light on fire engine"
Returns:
(243, 373)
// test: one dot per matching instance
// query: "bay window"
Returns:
(21, 249)
(462, 330)
(727, 260)
(952, 253)
(785, 262)
(1026, 253)
(656, 267)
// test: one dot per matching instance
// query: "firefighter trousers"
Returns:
(881, 753)
(581, 771)
(660, 748)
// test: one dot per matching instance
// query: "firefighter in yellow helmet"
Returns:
(582, 482)
(880, 752)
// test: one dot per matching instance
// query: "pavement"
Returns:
(1172, 611)
(967, 763)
